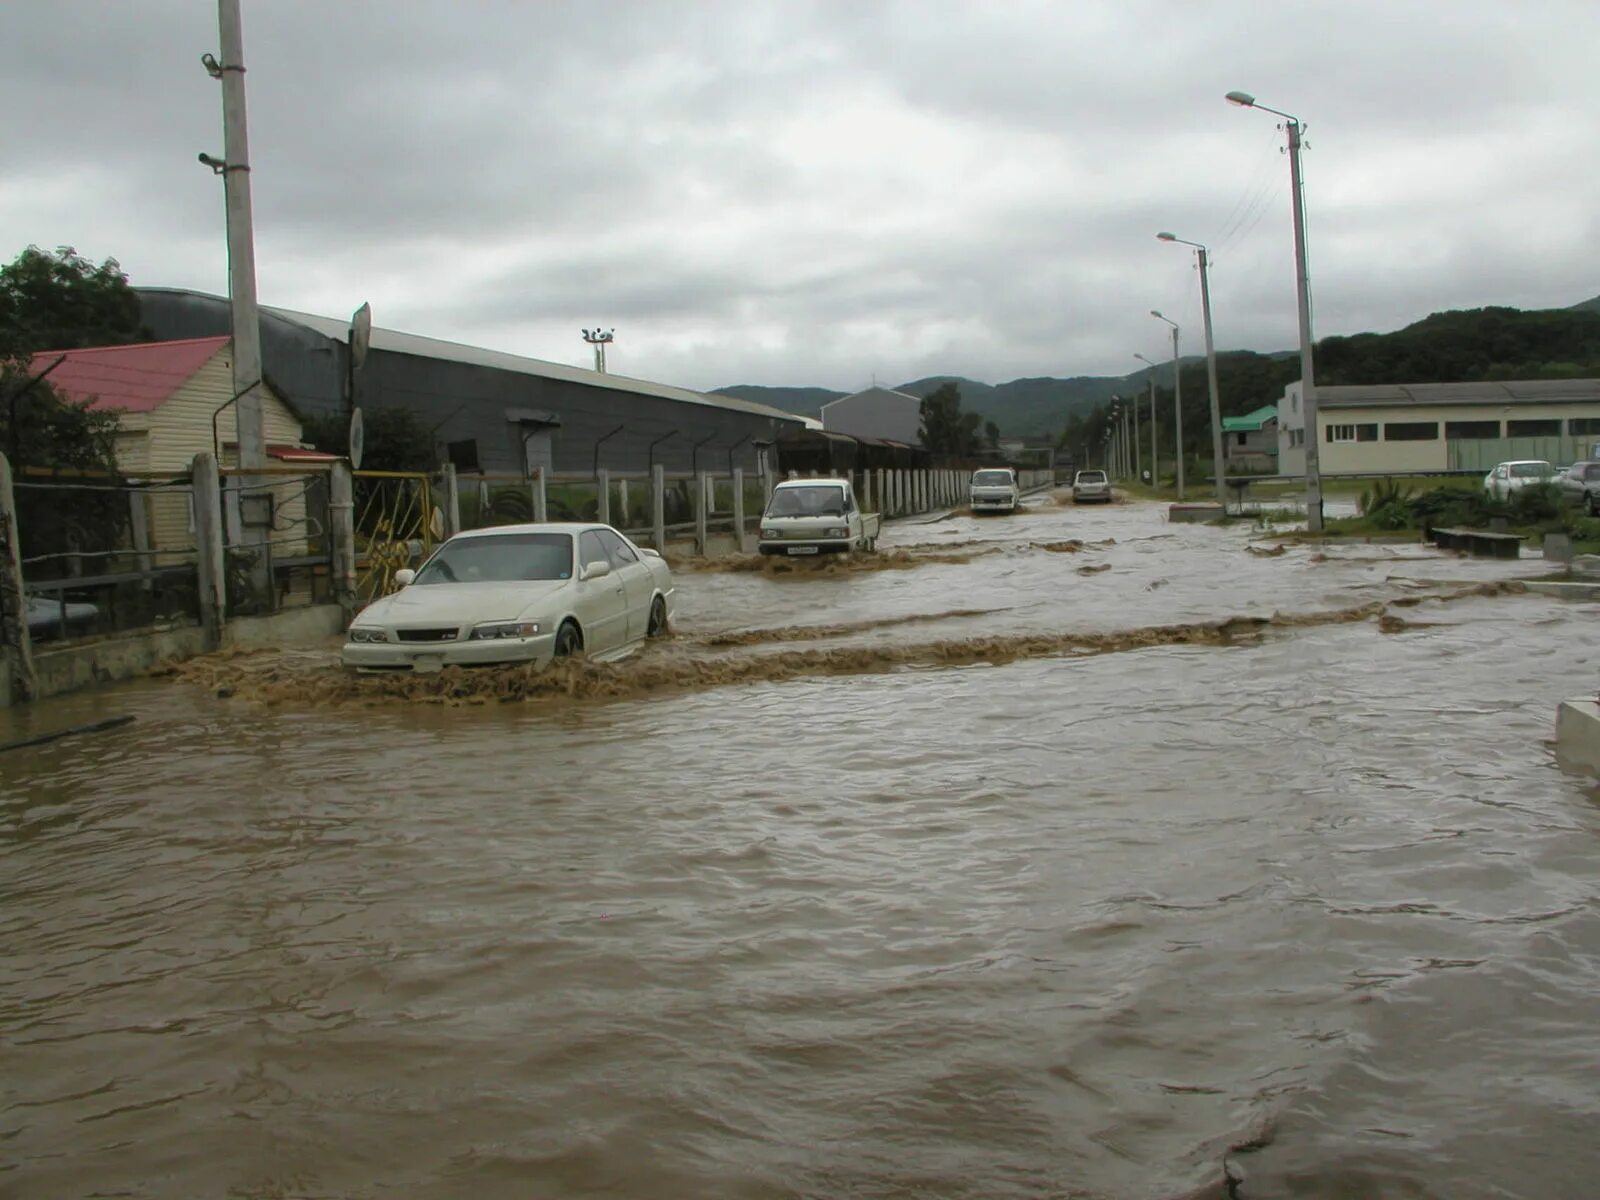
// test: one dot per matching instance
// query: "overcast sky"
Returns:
(823, 193)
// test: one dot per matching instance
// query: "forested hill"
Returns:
(1446, 347)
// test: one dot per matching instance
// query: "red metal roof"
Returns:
(136, 379)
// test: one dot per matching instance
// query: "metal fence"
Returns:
(102, 554)
(282, 516)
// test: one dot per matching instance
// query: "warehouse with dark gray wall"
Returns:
(490, 411)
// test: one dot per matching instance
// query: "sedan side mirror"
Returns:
(595, 570)
(404, 576)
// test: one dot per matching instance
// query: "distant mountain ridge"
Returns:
(1444, 347)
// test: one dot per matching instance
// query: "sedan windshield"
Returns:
(500, 558)
(992, 479)
(807, 502)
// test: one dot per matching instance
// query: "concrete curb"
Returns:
(1578, 736)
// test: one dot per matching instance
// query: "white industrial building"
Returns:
(1420, 427)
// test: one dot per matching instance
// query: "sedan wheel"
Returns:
(568, 641)
(658, 618)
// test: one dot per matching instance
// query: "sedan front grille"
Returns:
(428, 635)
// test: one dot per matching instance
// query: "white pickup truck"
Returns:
(817, 516)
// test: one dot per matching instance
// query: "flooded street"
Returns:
(1075, 854)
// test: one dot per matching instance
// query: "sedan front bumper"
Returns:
(432, 656)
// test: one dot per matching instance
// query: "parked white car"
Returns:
(516, 593)
(1509, 477)
(994, 489)
(1091, 485)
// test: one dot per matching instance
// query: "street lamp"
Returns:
(1308, 393)
(1211, 365)
(1177, 398)
(1155, 462)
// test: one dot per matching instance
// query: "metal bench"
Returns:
(1481, 542)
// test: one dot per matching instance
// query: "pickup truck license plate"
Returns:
(802, 549)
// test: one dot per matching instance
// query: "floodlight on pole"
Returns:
(1177, 398)
(600, 339)
(1308, 392)
(1211, 364)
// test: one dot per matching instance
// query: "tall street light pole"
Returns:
(1177, 397)
(1155, 461)
(1211, 366)
(1308, 391)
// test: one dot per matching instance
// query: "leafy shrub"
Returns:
(1387, 505)
(1536, 503)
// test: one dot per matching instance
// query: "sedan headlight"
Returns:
(368, 633)
(505, 629)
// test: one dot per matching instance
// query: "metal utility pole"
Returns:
(1308, 391)
(599, 339)
(1155, 461)
(1211, 366)
(1177, 398)
(255, 506)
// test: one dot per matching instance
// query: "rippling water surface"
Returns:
(1311, 912)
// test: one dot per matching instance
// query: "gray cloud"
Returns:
(817, 193)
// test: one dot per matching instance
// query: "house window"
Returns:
(1242, 439)
(1550, 427)
(1353, 433)
(1411, 431)
(1582, 425)
(1471, 430)
(464, 455)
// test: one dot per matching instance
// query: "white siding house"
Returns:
(877, 412)
(166, 395)
(1400, 428)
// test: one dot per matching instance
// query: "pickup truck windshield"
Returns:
(820, 501)
(992, 479)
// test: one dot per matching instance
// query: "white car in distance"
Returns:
(994, 489)
(1509, 477)
(516, 594)
(1091, 485)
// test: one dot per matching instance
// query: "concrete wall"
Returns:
(115, 658)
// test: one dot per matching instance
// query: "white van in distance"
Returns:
(994, 489)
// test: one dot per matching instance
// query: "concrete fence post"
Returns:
(342, 507)
(738, 510)
(622, 502)
(14, 639)
(700, 513)
(211, 561)
(541, 507)
(658, 506)
(602, 485)
(452, 501)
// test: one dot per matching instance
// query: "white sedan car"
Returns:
(1509, 477)
(516, 593)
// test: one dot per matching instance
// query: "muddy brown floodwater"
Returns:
(1149, 868)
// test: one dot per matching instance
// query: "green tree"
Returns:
(991, 434)
(945, 429)
(62, 301)
(38, 428)
(393, 439)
